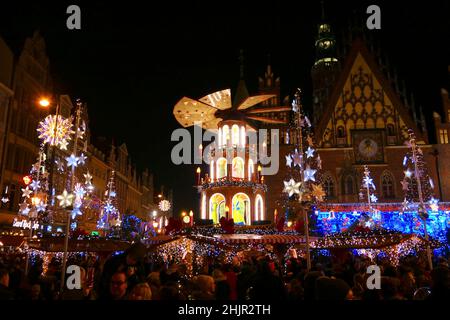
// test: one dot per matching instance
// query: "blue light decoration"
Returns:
(408, 222)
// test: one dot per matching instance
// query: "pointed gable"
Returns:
(363, 99)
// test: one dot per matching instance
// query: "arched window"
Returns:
(348, 185)
(225, 135)
(390, 130)
(235, 134)
(211, 170)
(328, 185)
(251, 169)
(241, 209)
(387, 185)
(259, 208)
(238, 168)
(220, 137)
(340, 132)
(242, 136)
(217, 207)
(221, 168)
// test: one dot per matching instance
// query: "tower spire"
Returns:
(241, 64)
(323, 10)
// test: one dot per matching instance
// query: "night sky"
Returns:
(132, 62)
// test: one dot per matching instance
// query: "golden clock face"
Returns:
(368, 148)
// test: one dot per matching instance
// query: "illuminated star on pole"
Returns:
(291, 187)
(24, 208)
(65, 199)
(41, 206)
(88, 177)
(79, 191)
(297, 157)
(309, 174)
(288, 161)
(309, 152)
(408, 173)
(35, 185)
(373, 198)
(63, 144)
(82, 159)
(26, 192)
(72, 161)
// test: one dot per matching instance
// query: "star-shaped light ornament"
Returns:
(434, 204)
(35, 185)
(72, 161)
(41, 206)
(405, 205)
(65, 199)
(309, 152)
(88, 178)
(319, 162)
(23, 208)
(76, 212)
(404, 184)
(291, 187)
(79, 191)
(112, 194)
(288, 161)
(5, 199)
(318, 192)
(297, 157)
(368, 181)
(109, 207)
(82, 159)
(373, 198)
(59, 165)
(294, 105)
(408, 173)
(309, 174)
(26, 192)
(63, 144)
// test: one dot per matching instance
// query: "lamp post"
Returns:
(72, 184)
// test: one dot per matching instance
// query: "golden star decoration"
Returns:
(318, 192)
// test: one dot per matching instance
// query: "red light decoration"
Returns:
(27, 180)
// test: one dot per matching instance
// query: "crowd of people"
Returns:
(134, 275)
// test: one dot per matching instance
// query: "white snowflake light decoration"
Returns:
(56, 131)
(164, 205)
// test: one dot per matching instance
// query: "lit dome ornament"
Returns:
(164, 205)
(56, 131)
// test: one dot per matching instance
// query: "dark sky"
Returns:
(132, 62)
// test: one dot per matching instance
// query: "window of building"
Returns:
(340, 132)
(348, 185)
(387, 185)
(443, 133)
(328, 185)
(390, 130)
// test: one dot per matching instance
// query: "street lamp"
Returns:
(44, 102)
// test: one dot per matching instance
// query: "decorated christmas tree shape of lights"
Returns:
(109, 214)
(418, 186)
(34, 194)
(302, 186)
(367, 193)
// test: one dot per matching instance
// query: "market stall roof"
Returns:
(380, 241)
(160, 239)
(264, 239)
(11, 241)
(95, 245)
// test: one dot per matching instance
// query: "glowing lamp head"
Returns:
(191, 214)
(187, 219)
(44, 102)
(259, 168)
(26, 180)
(154, 213)
(155, 224)
(183, 214)
(289, 224)
(199, 170)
